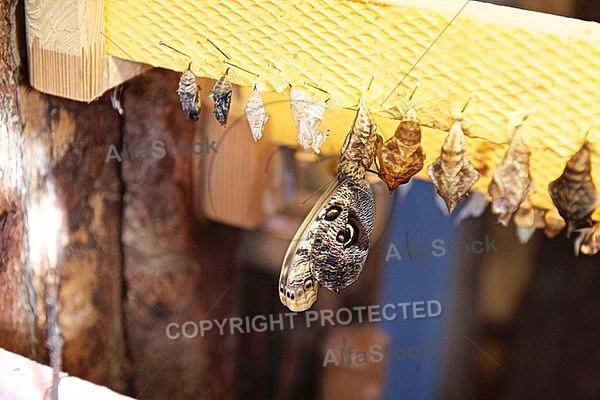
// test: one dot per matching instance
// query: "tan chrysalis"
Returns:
(573, 193)
(511, 182)
(591, 240)
(554, 223)
(401, 156)
(452, 173)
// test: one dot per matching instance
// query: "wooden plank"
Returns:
(67, 56)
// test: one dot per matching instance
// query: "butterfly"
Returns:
(332, 244)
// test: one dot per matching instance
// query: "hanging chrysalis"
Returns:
(401, 156)
(573, 193)
(221, 97)
(254, 108)
(307, 116)
(452, 173)
(188, 90)
(221, 92)
(188, 94)
(331, 246)
(591, 240)
(255, 113)
(511, 182)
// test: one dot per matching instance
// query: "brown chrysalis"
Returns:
(573, 193)
(401, 156)
(511, 182)
(363, 141)
(452, 173)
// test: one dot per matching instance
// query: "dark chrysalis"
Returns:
(221, 97)
(188, 90)
(188, 94)
(452, 173)
(401, 156)
(573, 193)
(511, 182)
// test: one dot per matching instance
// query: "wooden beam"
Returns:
(67, 56)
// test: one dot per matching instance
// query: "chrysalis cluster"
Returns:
(511, 182)
(221, 96)
(188, 94)
(452, 173)
(573, 193)
(401, 156)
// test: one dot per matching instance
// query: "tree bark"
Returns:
(60, 211)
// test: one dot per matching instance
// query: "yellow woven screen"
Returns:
(505, 59)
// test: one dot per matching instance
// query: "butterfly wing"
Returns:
(342, 236)
(297, 286)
